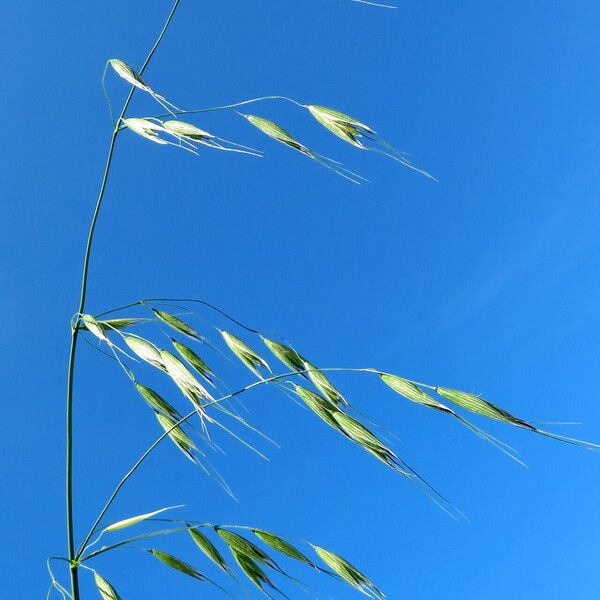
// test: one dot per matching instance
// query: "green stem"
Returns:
(71, 369)
(75, 330)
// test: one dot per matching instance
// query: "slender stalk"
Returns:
(75, 330)
(191, 300)
(135, 539)
(229, 106)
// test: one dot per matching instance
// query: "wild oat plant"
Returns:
(189, 360)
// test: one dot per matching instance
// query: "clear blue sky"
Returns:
(487, 281)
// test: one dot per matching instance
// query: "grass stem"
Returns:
(75, 329)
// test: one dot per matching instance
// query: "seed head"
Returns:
(186, 130)
(344, 126)
(128, 74)
(147, 129)
(278, 133)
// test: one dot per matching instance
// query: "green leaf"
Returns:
(177, 324)
(289, 357)
(282, 546)
(178, 565)
(349, 573)
(278, 133)
(145, 350)
(248, 356)
(194, 360)
(137, 519)
(157, 402)
(412, 392)
(106, 590)
(209, 549)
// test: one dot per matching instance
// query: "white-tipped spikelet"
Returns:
(344, 126)
(147, 129)
(275, 131)
(151, 130)
(123, 70)
(189, 132)
(351, 130)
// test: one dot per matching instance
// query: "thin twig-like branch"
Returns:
(75, 330)
(188, 416)
(230, 106)
(191, 300)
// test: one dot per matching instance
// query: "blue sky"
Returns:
(486, 281)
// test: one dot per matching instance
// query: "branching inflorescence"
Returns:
(197, 380)
(184, 362)
(187, 136)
